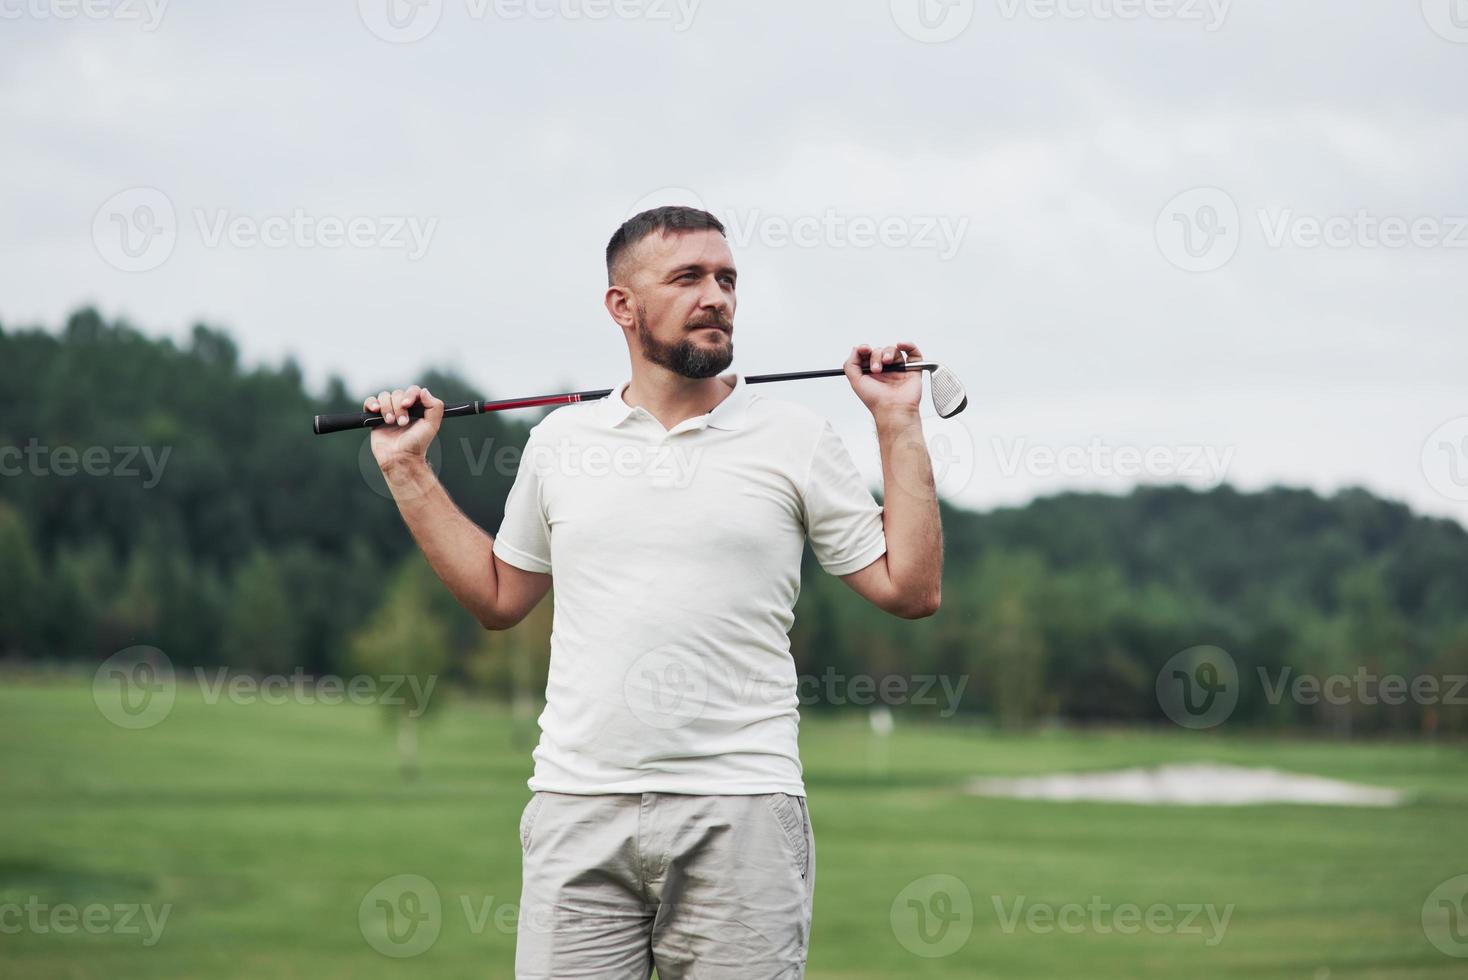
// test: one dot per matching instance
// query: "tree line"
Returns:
(165, 494)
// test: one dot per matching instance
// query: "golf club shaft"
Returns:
(346, 421)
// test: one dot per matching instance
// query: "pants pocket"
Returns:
(790, 813)
(527, 819)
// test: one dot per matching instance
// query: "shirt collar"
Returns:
(728, 414)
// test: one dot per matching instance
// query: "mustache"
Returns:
(723, 324)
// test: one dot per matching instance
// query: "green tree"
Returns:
(22, 584)
(406, 638)
(259, 629)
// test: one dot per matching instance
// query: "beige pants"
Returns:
(702, 887)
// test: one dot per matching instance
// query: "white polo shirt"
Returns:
(676, 564)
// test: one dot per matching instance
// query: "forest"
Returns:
(166, 495)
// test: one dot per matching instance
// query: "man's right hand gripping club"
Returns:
(399, 440)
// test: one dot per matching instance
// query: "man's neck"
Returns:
(671, 398)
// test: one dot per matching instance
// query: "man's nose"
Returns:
(713, 296)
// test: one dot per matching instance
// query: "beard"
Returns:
(688, 358)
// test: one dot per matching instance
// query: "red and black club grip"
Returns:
(345, 421)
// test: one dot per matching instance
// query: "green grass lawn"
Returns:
(262, 828)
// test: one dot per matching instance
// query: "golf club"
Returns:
(948, 397)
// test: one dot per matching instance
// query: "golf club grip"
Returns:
(345, 421)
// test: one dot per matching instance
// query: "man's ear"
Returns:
(622, 305)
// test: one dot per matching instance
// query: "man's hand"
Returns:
(883, 391)
(402, 439)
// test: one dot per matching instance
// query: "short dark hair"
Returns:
(659, 220)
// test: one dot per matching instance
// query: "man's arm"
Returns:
(907, 581)
(461, 553)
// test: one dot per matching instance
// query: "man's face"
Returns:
(684, 285)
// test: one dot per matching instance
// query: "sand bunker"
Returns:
(1193, 784)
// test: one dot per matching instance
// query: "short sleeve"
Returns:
(524, 535)
(842, 518)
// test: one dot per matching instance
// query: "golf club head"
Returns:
(949, 397)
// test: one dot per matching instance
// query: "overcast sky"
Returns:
(1158, 240)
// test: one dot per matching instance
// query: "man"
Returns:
(668, 824)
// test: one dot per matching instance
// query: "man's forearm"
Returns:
(910, 508)
(459, 551)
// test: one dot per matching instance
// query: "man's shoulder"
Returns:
(797, 418)
(567, 419)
